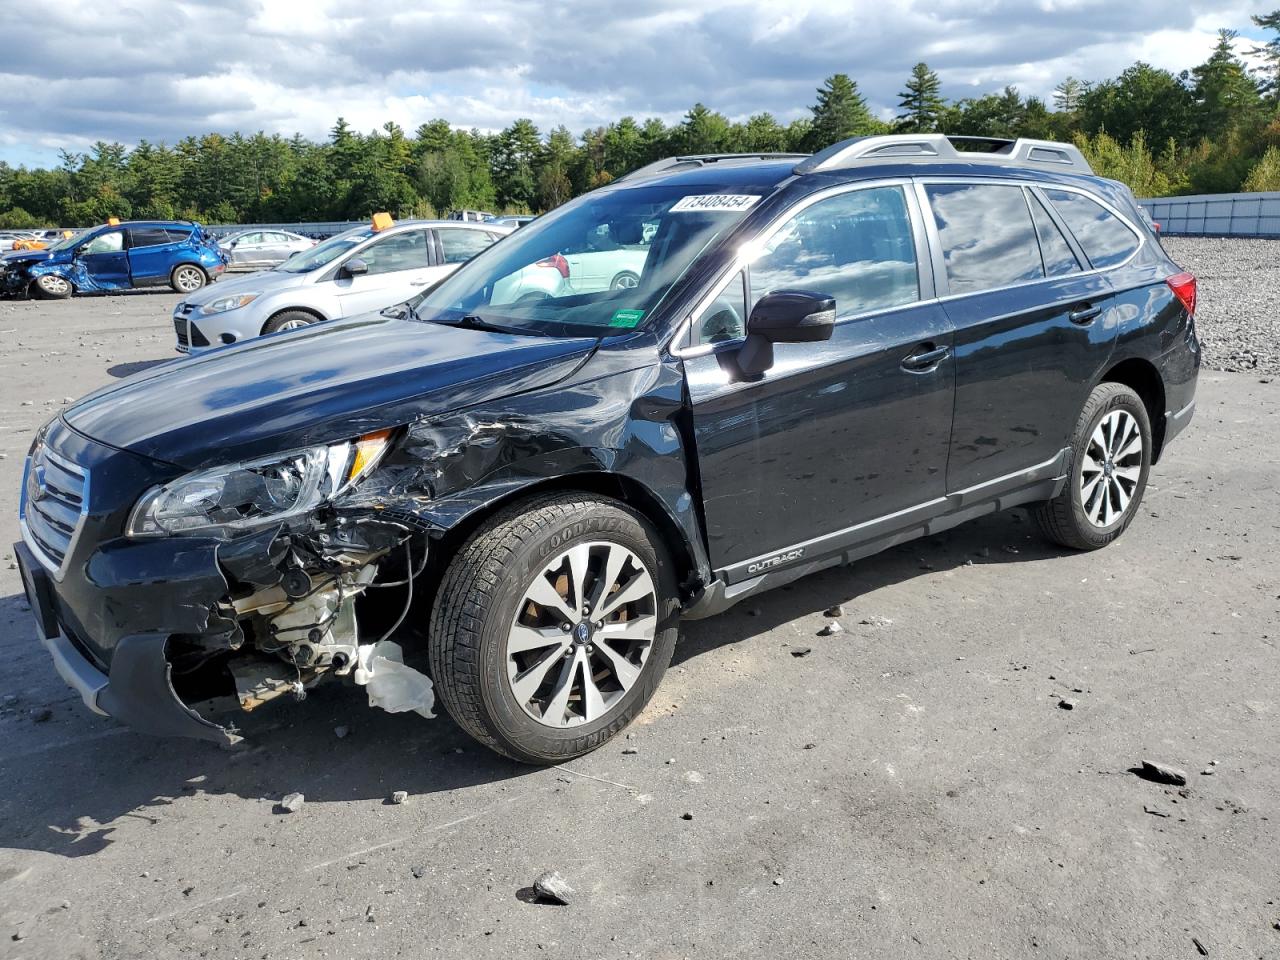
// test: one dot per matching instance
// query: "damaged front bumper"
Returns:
(149, 630)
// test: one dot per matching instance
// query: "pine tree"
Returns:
(921, 102)
(1067, 94)
(839, 114)
(1225, 95)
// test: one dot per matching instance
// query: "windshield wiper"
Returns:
(473, 322)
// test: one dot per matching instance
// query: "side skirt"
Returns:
(750, 577)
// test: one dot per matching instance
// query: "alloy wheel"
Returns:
(1111, 468)
(293, 325)
(188, 279)
(581, 634)
(55, 285)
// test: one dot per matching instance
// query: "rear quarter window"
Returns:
(1103, 236)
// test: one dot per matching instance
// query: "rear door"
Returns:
(1033, 329)
(151, 255)
(842, 441)
(104, 260)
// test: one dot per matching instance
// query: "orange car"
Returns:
(34, 244)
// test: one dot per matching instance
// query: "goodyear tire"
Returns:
(553, 626)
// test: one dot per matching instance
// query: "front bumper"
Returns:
(138, 690)
(195, 332)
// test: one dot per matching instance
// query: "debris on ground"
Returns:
(292, 803)
(630, 751)
(1162, 773)
(418, 872)
(399, 796)
(833, 612)
(341, 731)
(876, 621)
(1200, 947)
(551, 886)
(830, 629)
(753, 611)
(1066, 704)
(778, 881)
(801, 651)
(1155, 811)
(42, 715)
(686, 816)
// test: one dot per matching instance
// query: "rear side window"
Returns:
(148, 236)
(988, 239)
(1054, 249)
(461, 245)
(1105, 239)
(177, 234)
(856, 247)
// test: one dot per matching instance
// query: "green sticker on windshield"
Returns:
(626, 318)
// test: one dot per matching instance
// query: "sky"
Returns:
(74, 72)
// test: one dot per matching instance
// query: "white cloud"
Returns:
(80, 70)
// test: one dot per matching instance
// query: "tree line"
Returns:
(1214, 128)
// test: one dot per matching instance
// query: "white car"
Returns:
(563, 275)
(255, 249)
(360, 271)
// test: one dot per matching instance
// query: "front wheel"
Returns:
(187, 278)
(289, 320)
(553, 626)
(1110, 459)
(50, 286)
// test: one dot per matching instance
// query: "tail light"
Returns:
(556, 262)
(1183, 286)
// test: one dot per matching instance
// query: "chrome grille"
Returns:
(54, 502)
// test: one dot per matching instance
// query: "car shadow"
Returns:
(136, 366)
(71, 778)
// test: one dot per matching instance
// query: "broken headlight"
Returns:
(224, 501)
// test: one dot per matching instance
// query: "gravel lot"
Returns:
(1239, 300)
(907, 789)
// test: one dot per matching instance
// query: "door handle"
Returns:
(927, 360)
(1084, 315)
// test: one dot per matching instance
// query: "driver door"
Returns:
(105, 262)
(399, 267)
(842, 441)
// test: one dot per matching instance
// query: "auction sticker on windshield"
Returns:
(626, 318)
(715, 203)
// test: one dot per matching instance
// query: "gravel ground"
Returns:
(912, 787)
(1238, 300)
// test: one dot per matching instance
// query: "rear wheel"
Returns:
(553, 626)
(50, 286)
(626, 280)
(289, 320)
(187, 278)
(1110, 460)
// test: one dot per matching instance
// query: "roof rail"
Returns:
(702, 159)
(1022, 152)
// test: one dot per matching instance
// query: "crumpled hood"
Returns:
(323, 383)
(264, 281)
(24, 257)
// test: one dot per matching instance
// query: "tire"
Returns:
(187, 278)
(626, 280)
(50, 286)
(288, 320)
(1103, 490)
(484, 598)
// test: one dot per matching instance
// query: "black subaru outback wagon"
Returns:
(529, 473)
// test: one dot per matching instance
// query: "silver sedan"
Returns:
(256, 249)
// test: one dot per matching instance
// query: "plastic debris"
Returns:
(392, 685)
(1160, 773)
(399, 796)
(292, 803)
(830, 629)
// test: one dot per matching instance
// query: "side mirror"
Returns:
(785, 316)
(355, 267)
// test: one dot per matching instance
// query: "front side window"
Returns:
(459, 246)
(987, 237)
(112, 242)
(856, 247)
(1106, 240)
(400, 251)
(600, 265)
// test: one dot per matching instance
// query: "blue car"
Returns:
(116, 256)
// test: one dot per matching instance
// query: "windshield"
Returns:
(66, 243)
(595, 267)
(325, 253)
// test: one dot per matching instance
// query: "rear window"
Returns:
(1105, 239)
(988, 239)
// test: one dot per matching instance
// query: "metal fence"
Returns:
(1217, 215)
(315, 231)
